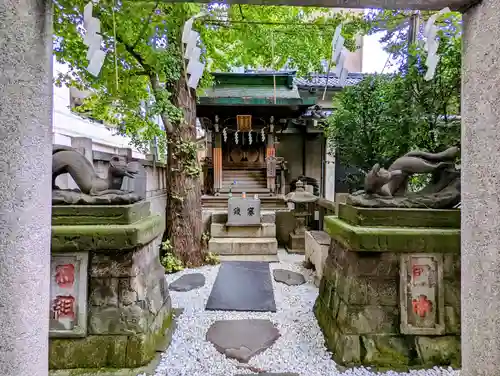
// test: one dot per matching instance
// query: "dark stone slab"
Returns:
(65, 215)
(288, 277)
(242, 339)
(75, 197)
(188, 282)
(242, 286)
(400, 217)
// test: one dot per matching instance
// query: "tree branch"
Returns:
(155, 85)
(145, 26)
(148, 70)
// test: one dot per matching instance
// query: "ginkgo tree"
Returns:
(144, 61)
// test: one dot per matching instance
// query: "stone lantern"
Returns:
(301, 200)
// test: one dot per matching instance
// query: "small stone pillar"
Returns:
(301, 200)
(390, 292)
(126, 315)
(25, 185)
(217, 163)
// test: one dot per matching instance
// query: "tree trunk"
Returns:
(184, 226)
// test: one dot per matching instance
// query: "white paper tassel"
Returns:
(236, 137)
(224, 134)
(93, 41)
(250, 138)
(263, 135)
(432, 44)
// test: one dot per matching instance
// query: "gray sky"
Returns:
(374, 57)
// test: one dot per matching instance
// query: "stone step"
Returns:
(248, 190)
(259, 258)
(243, 177)
(265, 230)
(265, 217)
(242, 246)
(267, 202)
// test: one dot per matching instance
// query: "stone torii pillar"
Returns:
(25, 185)
(481, 190)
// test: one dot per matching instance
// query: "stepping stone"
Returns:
(188, 282)
(242, 339)
(267, 374)
(288, 277)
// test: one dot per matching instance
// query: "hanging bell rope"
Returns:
(114, 42)
(272, 65)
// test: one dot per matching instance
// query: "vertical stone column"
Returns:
(271, 164)
(25, 185)
(480, 191)
(217, 163)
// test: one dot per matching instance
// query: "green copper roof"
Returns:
(252, 89)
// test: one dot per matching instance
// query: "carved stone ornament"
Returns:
(93, 190)
(389, 188)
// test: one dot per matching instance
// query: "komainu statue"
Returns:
(389, 187)
(92, 188)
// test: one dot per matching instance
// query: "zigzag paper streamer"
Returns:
(93, 41)
(432, 44)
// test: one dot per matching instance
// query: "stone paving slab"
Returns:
(242, 339)
(267, 374)
(188, 282)
(288, 277)
(242, 286)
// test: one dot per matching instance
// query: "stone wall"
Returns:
(361, 305)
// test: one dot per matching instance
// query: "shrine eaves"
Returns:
(460, 5)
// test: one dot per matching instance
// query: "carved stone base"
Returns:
(128, 308)
(75, 197)
(296, 243)
(441, 200)
(389, 296)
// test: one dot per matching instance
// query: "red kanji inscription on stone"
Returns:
(417, 270)
(422, 305)
(64, 307)
(65, 275)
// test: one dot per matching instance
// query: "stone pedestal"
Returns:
(233, 242)
(317, 245)
(296, 239)
(25, 167)
(127, 314)
(390, 292)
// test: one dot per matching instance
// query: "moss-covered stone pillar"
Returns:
(125, 315)
(390, 292)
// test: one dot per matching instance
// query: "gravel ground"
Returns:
(300, 348)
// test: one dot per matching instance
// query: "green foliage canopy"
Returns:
(385, 116)
(138, 69)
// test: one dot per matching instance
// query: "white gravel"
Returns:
(300, 348)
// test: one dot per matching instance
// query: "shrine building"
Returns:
(261, 134)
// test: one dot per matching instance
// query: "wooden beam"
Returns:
(386, 4)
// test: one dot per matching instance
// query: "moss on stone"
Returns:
(106, 237)
(392, 239)
(67, 215)
(441, 350)
(399, 217)
(385, 351)
(89, 352)
(142, 348)
(108, 353)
